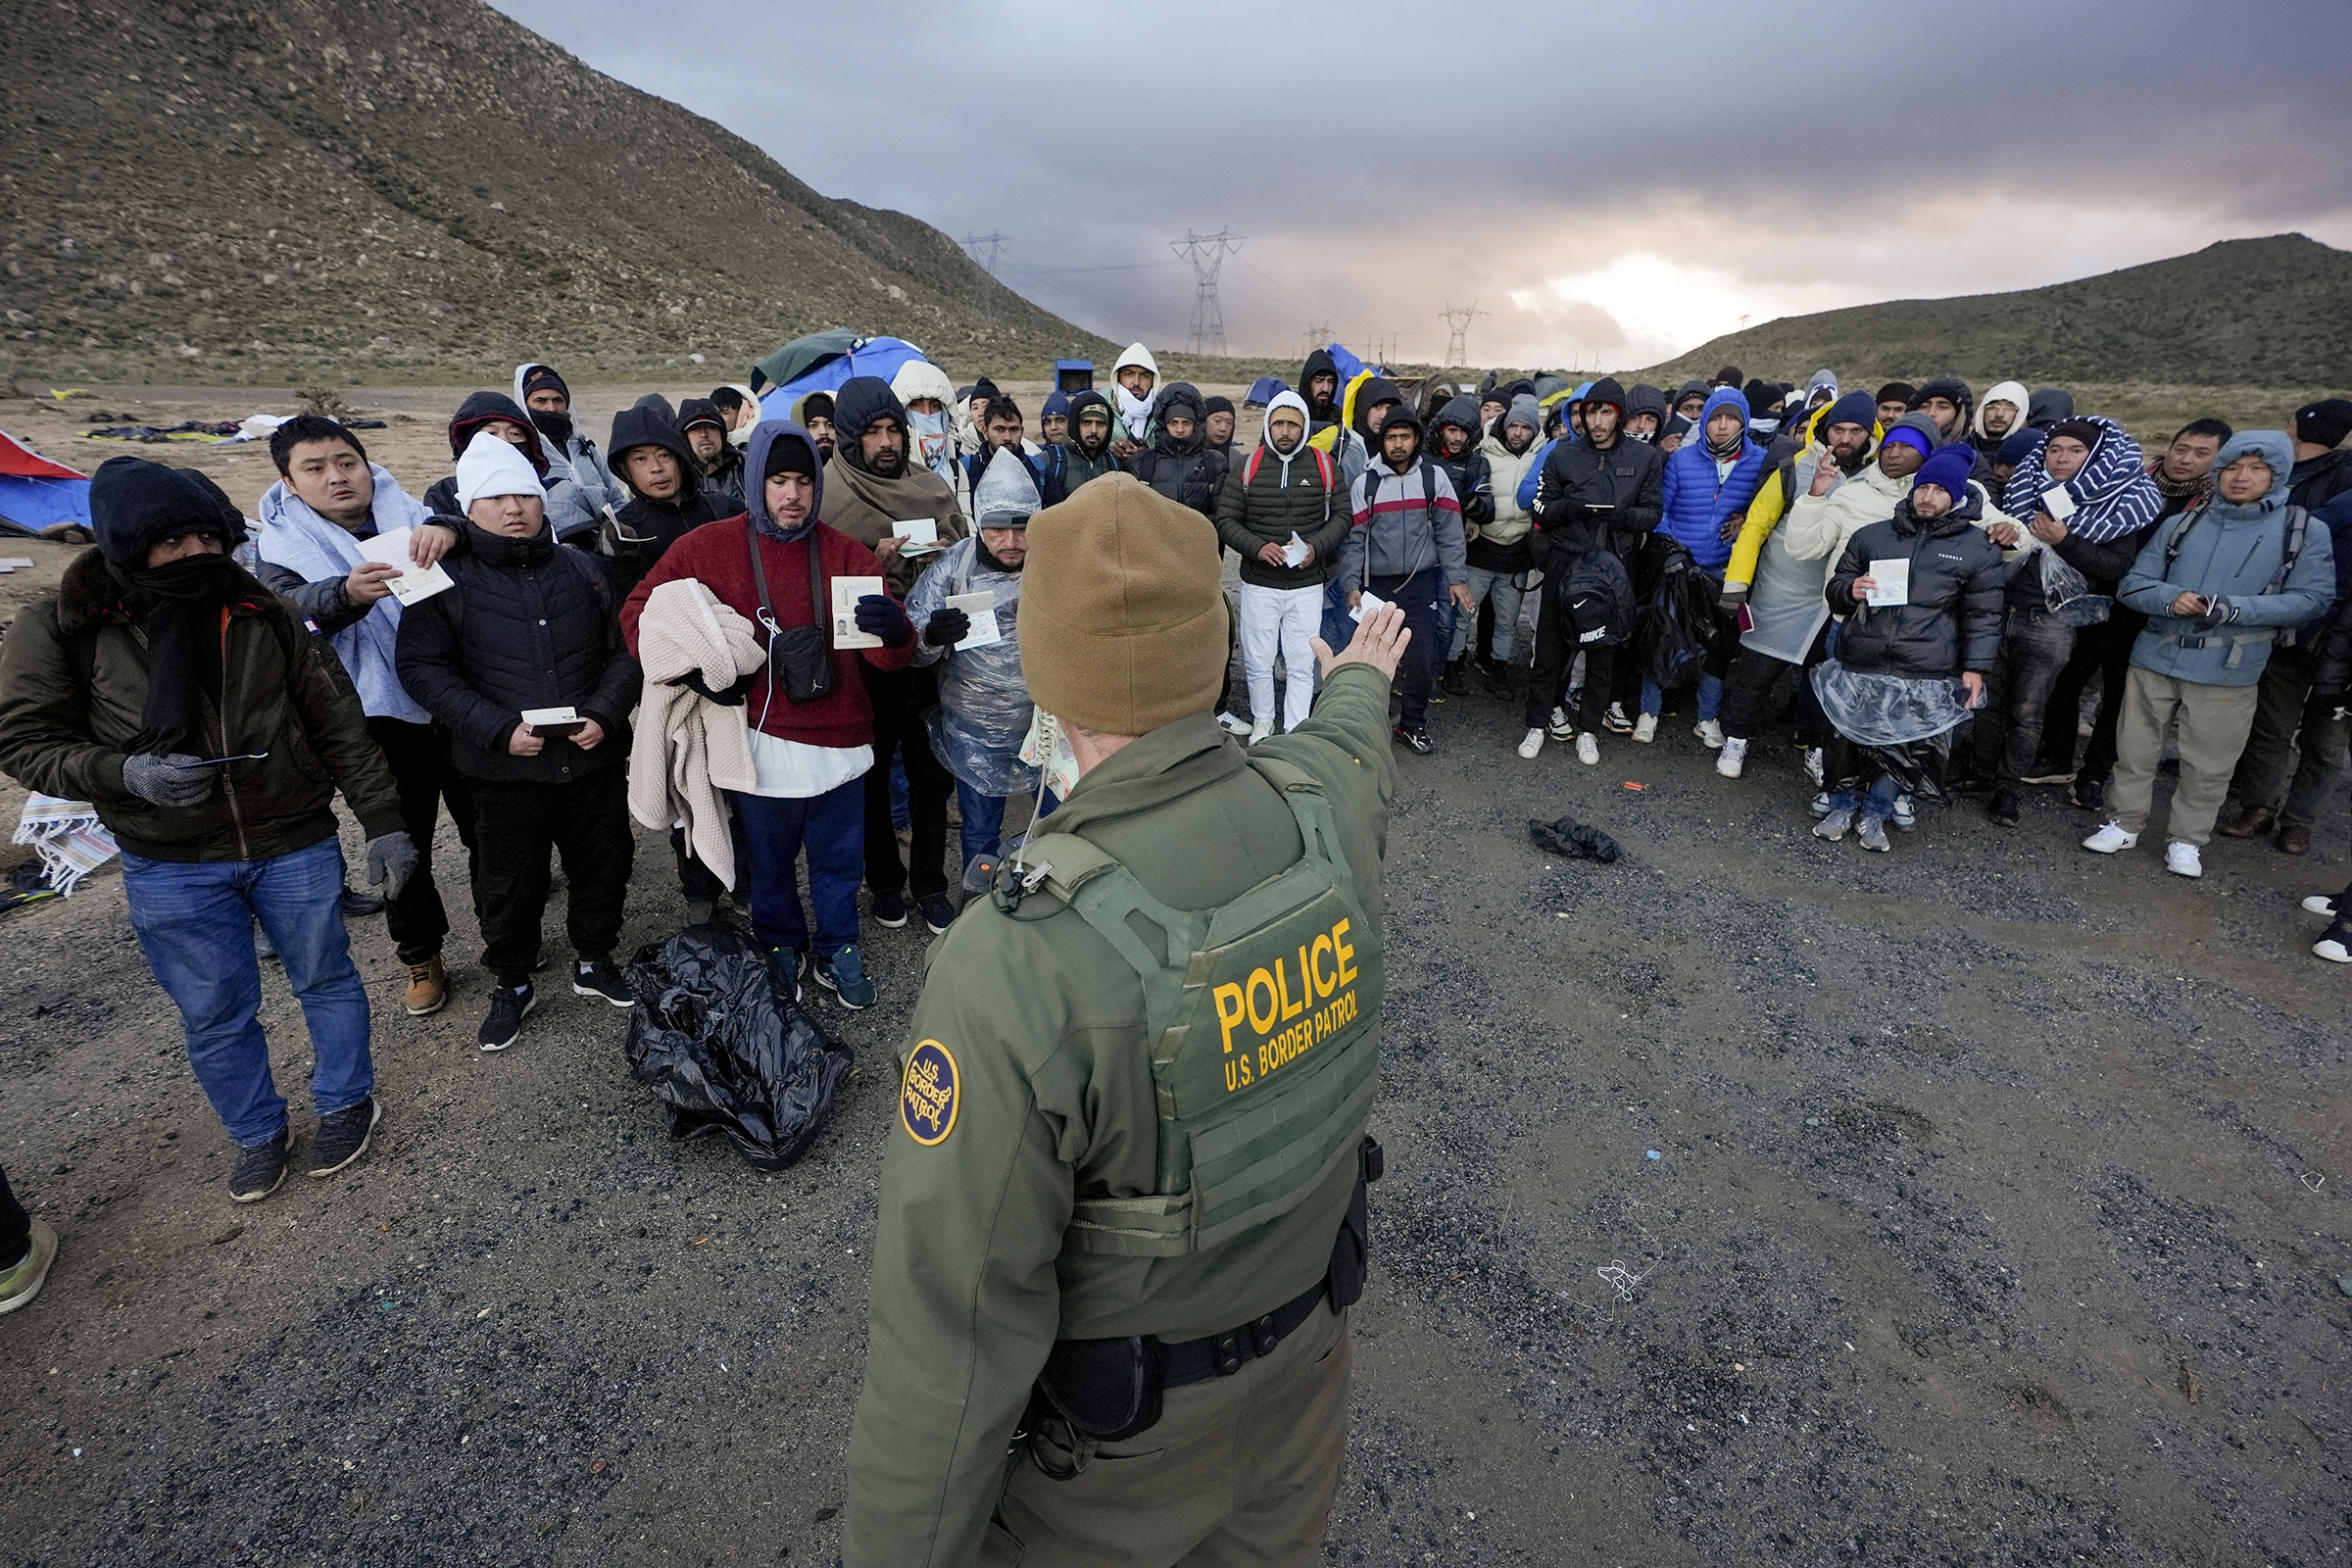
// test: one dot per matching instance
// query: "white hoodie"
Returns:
(1134, 412)
(2013, 393)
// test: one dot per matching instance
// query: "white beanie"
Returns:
(492, 466)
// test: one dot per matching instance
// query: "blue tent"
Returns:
(37, 494)
(1266, 389)
(863, 356)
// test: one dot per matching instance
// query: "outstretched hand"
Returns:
(1380, 641)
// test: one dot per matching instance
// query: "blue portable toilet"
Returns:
(1073, 375)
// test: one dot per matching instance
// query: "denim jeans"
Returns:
(983, 816)
(2007, 737)
(1501, 590)
(1710, 697)
(1878, 801)
(194, 921)
(832, 828)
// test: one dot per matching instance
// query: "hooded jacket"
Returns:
(2049, 406)
(575, 457)
(1500, 543)
(1186, 472)
(2012, 393)
(1642, 397)
(1951, 622)
(722, 480)
(2230, 554)
(930, 437)
(1473, 481)
(862, 504)
(646, 527)
(1320, 363)
(1135, 419)
(1951, 387)
(1285, 494)
(1587, 496)
(569, 509)
(1402, 524)
(1698, 499)
(1077, 466)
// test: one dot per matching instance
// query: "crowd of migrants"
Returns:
(788, 633)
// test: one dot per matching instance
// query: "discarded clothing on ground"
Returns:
(1578, 841)
(69, 838)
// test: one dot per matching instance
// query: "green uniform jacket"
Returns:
(1046, 1022)
(60, 738)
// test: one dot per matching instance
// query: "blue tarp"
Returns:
(37, 504)
(1349, 366)
(873, 356)
(1265, 391)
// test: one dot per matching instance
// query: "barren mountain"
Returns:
(315, 189)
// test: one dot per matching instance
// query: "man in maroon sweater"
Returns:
(808, 756)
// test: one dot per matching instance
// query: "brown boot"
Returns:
(2294, 838)
(429, 987)
(2246, 821)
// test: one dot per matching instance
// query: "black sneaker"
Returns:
(343, 1137)
(260, 1169)
(890, 907)
(2004, 808)
(508, 1006)
(1416, 738)
(599, 977)
(788, 966)
(939, 913)
(2088, 793)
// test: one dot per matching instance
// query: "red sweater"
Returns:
(715, 555)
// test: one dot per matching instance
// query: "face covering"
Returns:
(180, 604)
(1134, 412)
(557, 427)
(930, 443)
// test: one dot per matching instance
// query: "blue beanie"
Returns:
(2021, 446)
(1948, 469)
(1057, 402)
(1855, 408)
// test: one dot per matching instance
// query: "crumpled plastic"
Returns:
(1578, 841)
(716, 1036)
(2067, 593)
(984, 709)
(1872, 709)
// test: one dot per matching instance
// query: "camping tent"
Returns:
(821, 363)
(37, 494)
(1264, 391)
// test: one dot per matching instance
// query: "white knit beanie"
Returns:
(492, 466)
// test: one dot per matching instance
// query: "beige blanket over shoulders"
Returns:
(688, 748)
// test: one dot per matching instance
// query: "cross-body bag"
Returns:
(799, 657)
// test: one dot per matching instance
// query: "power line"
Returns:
(995, 244)
(1206, 253)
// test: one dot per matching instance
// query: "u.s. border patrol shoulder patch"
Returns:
(927, 1097)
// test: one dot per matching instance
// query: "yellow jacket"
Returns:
(1772, 502)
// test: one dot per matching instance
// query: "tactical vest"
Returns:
(1265, 1018)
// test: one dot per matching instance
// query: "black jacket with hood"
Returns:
(1077, 468)
(477, 411)
(1185, 471)
(1953, 623)
(1320, 363)
(1586, 494)
(647, 526)
(1473, 477)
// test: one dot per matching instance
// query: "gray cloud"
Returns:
(1614, 184)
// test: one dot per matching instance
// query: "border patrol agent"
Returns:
(1123, 1210)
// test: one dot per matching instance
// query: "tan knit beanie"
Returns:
(1122, 620)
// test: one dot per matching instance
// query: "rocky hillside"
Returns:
(327, 189)
(2252, 312)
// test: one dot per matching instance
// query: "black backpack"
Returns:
(1599, 597)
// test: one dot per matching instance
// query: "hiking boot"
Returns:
(1563, 728)
(1733, 757)
(1872, 834)
(602, 978)
(2087, 791)
(1813, 764)
(1710, 734)
(1261, 730)
(1455, 682)
(890, 907)
(260, 1169)
(844, 975)
(1531, 745)
(1417, 738)
(2246, 822)
(343, 1137)
(2294, 838)
(1588, 750)
(429, 987)
(508, 1006)
(1645, 728)
(1833, 826)
(2183, 859)
(1904, 817)
(1615, 721)
(1233, 723)
(358, 906)
(2004, 808)
(21, 1282)
(939, 913)
(2110, 838)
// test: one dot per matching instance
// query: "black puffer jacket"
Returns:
(648, 526)
(1953, 621)
(529, 624)
(1628, 477)
(1285, 497)
(1473, 477)
(1185, 471)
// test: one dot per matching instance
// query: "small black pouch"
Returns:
(1351, 1248)
(1105, 1389)
(800, 658)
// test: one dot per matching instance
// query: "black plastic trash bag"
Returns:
(1679, 627)
(716, 1036)
(1576, 839)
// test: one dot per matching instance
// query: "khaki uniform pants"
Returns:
(1238, 1470)
(2214, 721)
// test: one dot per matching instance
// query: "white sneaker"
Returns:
(1733, 757)
(1259, 731)
(1813, 764)
(2320, 904)
(1562, 727)
(2183, 859)
(1645, 728)
(1710, 734)
(1531, 745)
(2333, 950)
(1233, 723)
(1588, 750)
(2108, 839)
(1821, 805)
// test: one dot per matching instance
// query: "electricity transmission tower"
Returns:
(995, 244)
(1208, 253)
(1317, 334)
(1457, 330)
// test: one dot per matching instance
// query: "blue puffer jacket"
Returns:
(1696, 502)
(2228, 554)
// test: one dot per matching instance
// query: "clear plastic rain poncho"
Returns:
(984, 707)
(1873, 710)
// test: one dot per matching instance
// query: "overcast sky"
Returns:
(1610, 184)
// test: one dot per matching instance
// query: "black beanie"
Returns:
(816, 406)
(786, 454)
(1897, 392)
(2082, 430)
(136, 505)
(2324, 424)
(1216, 405)
(539, 377)
(985, 388)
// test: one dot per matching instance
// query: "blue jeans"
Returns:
(194, 921)
(1710, 697)
(1509, 598)
(984, 819)
(832, 828)
(1878, 802)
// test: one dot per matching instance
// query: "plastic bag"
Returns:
(2068, 593)
(1678, 627)
(1887, 709)
(716, 1036)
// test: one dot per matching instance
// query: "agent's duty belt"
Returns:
(1221, 1355)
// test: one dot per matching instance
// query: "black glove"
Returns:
(730, 697)
(391, 858)
(880, 616)
(170, 781)
(948, 628)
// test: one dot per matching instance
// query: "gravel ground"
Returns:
(1993, 1219)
